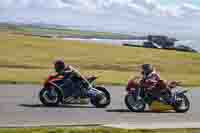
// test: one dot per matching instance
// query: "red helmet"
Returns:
(59, 65)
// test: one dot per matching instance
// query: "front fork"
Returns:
(137, 93)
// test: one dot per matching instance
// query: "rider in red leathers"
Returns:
(149, 78)
(150, 81)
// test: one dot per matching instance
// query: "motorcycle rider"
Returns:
(149, 82)
(149, 77)
(69, 86)
(61, 68)
(72, 82)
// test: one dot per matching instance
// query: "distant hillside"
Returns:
(64, 32)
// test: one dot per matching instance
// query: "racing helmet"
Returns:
(147, 69)
(59, 65)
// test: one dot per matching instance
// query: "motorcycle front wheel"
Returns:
(133, 104)
(50, 97)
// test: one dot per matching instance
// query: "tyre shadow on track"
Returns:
(128, 111)
(59, 106)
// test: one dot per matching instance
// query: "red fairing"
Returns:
(132, 85)
(50, 79)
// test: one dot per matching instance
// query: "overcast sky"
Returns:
(177, 17)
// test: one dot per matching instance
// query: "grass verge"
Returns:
(25, 59)
(93, 130)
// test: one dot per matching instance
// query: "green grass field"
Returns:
(93, 130)
(25, 59)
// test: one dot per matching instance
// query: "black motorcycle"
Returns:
(52, 93)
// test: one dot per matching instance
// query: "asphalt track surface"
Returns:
(19, 107)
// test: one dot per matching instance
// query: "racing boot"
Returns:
(79, 100)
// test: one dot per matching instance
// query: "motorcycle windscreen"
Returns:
(160, 107)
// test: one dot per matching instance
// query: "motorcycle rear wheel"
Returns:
(178, 104)
(96, 101)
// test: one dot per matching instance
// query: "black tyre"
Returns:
(97, 101)
(182, 100)
(50, 101)
(133, 105)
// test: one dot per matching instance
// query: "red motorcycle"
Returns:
(171, 97)
(52, 93)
